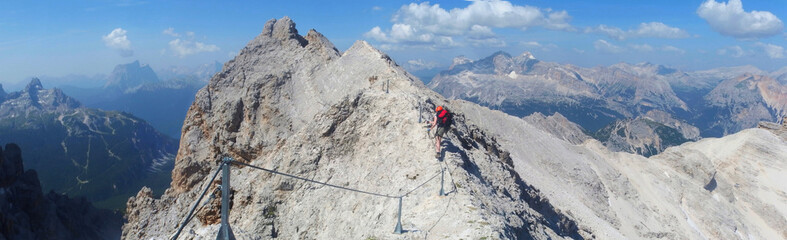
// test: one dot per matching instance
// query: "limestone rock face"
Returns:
(757, 98)
(296, 105)
(715, 188)
(27, 213)
(558, 126)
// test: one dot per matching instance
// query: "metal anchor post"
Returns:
(225, 232)
(398, 229)
(442, 180)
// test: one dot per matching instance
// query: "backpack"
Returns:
(445, 118)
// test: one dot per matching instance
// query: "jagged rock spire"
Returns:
(35, 84)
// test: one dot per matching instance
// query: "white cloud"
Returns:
(729, 19)
(419, 64)
(117, 39)
(531, 44)
(612, 32)
(644, 30)
(773, 51)
(425, 24)
(183, 48)
(606, 47)
(734, 51)
(674, 49)
(580, 51)
(659, 30)
(537, 45)
(489, 42)
(642, 47)
(170, 31)
(377, 8)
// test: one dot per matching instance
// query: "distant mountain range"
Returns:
(718, 102)
(137, 89)
(105, 156)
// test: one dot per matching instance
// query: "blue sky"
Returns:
(57, 38)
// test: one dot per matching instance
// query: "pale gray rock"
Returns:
(756, 98)
(617, 195)
(296, 105)
(558, 126)
(313, 112)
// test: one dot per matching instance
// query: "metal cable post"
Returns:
(398, 229)
(419, 113)
(225, 232)
(442, 180)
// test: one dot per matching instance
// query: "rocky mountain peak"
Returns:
(34, 99)
(2, 93)
(349, 119)
(459, 60)
(281, 29)
(34, 86)
(527, 55)
(129, 76)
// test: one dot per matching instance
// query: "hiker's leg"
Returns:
(436, 143)
(439, 140)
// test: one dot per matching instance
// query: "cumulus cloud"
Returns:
(730, 19)
(170, 31)
(183, 47)
(642, 47)
(537, 45)
(734, 51)
(606, 47)
(118, 40)
(674, 49)
(773, 51)
(420, 64)
(644, 30)
(426, 24)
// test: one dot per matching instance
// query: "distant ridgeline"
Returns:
(656, 101)
(137, 89)
(101, 155)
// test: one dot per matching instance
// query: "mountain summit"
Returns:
(130, 76)
(293, 104)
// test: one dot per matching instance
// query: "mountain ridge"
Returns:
(341, 110)
(354, 120)
(81, 151)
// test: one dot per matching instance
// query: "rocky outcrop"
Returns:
(642, 135)
(558, 126)
(103, 156)
(293, 106)
(742, 102)
(27, 213)
(616, 195)
(296, 105)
